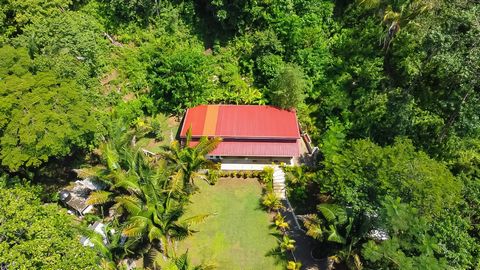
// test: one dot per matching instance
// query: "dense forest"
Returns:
(388, 90)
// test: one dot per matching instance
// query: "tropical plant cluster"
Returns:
(273, 204)
(145, 198)
(389, 91)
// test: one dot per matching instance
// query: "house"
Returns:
(253, 135)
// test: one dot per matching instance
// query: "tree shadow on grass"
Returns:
(278, 256)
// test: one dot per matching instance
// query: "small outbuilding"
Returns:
(252, 134)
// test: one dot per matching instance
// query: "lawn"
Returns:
(169, 132)
(238, 235)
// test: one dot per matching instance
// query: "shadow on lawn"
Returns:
(280, 258)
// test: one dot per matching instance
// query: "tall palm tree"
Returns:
(190, 159)
(146, 196)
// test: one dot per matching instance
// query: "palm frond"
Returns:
(129, 183)
(207, 145)
(334, 236)
(99, 197)
(130, 203)
(195, 220)
(136, 226)
(333, 213)
(90, 172)
(154, 233)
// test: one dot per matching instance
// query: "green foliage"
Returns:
(287, 244)
(364, 173)
(271, 201)
(39, 236)
(409, 245)
(359, 79)
(14, 14)
(288, 88)
(42, 116)
(188, 161)
(266, 177)
(147, 197)
(180, 79)
(136, 10)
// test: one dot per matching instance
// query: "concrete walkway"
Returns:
(279, 182)
(303, 243)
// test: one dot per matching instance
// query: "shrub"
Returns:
(271, 201)
(213, 176)
(280, 223)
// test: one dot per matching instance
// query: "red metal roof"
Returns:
(248, 148)
(241, 121)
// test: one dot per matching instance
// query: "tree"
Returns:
(70, 43)
(180, 78)
(41, 116)
(364, 173)
(288, 88)
(145, 195)
(15, 15)
(39, 236)
(183, 263)
(409, 246)
(188, 160)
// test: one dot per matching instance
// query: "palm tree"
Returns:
(297, 175)
(190, 159)
(183, 263)
(336, 225)
(146, 195)
(111, 246)
(398, 14)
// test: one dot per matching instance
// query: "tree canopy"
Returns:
(41, 116)
(39, 236)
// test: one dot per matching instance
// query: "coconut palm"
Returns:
(145, 195)
(112, 247)
(190, 159)
(399, 14)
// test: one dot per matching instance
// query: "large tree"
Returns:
(288, 88)
(41, 116)
(363, 173)
(39, 236)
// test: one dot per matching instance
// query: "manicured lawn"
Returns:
(238, 236)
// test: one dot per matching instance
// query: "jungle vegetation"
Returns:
(388, 90)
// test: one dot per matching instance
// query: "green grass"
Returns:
(238, 235)
(169, 130)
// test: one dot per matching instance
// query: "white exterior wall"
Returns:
(250, 163)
